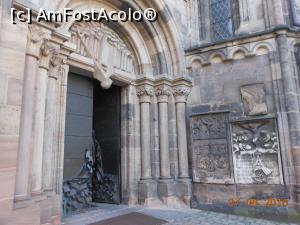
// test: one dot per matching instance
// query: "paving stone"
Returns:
(174, 217)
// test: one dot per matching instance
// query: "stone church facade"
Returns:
(208, 106)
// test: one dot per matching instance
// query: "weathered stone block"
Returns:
(147, 189)
(14, 92)
(3, 89)
(10, 119)
(7, 178)
(254, 98)
(8, 150)
(165, 188)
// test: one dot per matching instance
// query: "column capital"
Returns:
(55, 64)
(47, 52)
(145, 92)
(163, 92)
(181, 93)
(35, 38)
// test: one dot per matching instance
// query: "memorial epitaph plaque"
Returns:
(256, 153)
(211, 155)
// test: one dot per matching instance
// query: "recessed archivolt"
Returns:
(107, 50)
(157, 48)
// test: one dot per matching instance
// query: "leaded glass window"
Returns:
(221, 19)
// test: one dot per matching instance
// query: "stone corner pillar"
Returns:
(184, 184)
(36, 37)
(292, 106)
(147, 188)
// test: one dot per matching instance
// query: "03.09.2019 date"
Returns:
(277, 202)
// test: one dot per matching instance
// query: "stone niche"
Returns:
(256, 152)
(210, 147)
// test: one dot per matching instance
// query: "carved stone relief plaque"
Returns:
(211, 159)
(256, 153)
(108, 51)
(254, 99)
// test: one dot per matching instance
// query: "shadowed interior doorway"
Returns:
(92, 144)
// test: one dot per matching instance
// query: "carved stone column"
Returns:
(180, 94)
(166, 185)
(147, 186)
(47, 51)
(36, 36)
(163, 92)
(184, 183)
(50, 122)
(145, 93)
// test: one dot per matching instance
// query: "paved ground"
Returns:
(175, 217)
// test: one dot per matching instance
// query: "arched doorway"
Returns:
(146, 60)
(92, 153)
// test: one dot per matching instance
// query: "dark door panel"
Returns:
(107, 106)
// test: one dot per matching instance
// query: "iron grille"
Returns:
(221, 19)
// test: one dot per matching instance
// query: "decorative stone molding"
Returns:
(163, 92)
(233, 51)
(181, 93)
(91, 38)
(55, 64)
(145, 93)
(146, 90)
(36, 37)
(47, 51)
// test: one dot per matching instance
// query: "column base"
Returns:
(167, 193)
(148, 194)
(36, 192)
(166, 187)
(19, 198)
(184, 190)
